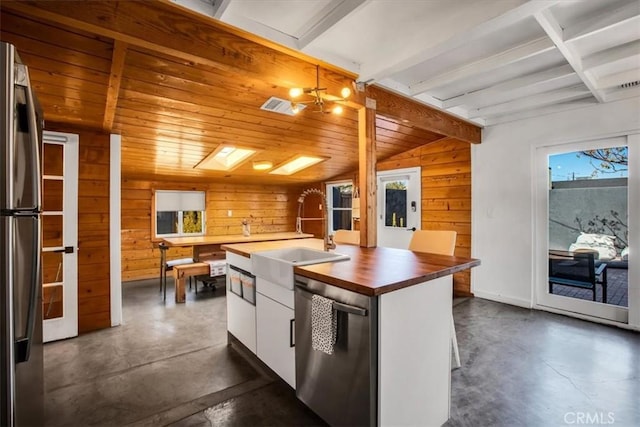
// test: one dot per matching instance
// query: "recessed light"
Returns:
(262, 165)
(297, 164)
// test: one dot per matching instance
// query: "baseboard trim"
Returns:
(587, 318)
(504, 299)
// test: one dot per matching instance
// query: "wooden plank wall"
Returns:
(94, 307)
(446, 193)
(268, 208)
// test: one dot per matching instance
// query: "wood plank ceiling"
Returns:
(177, 91)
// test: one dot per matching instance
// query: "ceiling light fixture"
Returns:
(262, 165)
(225, 157)
(296, 164)
(322, 105)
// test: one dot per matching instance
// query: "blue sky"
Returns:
(564, 166)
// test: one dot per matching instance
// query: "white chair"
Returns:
(350, 237)
(443, 243)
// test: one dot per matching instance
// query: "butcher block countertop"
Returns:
(370, 271)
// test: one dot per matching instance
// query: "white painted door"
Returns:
(60, 235)
(578, 205)
(398, 206)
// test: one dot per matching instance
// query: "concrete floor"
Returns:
(171, 365)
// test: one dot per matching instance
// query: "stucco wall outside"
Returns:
(567, 206)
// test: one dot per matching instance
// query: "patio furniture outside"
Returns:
(577, 269)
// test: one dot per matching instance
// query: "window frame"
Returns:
(155, 237)
(329, 202)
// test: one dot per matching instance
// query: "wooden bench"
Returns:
(181, 272)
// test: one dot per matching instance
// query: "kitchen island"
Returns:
(404, 374)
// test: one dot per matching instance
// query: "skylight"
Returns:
(225, 158)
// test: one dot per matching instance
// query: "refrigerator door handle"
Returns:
(35, 135)
(23, 345)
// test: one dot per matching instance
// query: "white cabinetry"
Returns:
(241, 314)
(414, 358)
(276, 329)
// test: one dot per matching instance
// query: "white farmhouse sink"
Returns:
(277, 265)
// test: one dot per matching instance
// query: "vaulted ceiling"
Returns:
(177, 85)
(490, 61)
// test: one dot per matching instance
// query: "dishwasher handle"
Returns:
(338, 306)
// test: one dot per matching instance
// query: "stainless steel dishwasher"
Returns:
(340, 387)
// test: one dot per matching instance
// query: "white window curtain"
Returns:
(172, 201)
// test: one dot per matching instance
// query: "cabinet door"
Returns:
(241, 320)
(275, 330)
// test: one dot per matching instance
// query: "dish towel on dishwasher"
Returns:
(323, 324)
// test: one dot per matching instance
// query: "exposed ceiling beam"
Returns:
(618, 79)
(329, 16)
(399, 107)
(513, 55)
(531, 102)
(615, 54)
(220, 7)
(553, 29)
(371, 72)
(550, 109)
(199, 6)
(401, 89)
(188, 36)
(261, 30)
(115, 77)
(516, 85)
(604, 20)
(618, 93)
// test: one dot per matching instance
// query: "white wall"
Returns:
(502, 191)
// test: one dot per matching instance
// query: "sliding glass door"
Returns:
(582, 223)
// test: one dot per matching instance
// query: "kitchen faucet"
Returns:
(328, 238)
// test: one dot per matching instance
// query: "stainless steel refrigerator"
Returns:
(21, 361)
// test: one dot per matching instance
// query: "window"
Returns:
(179, 213)
(395, 203)
(339, 203)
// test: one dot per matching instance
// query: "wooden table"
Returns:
(208, 248)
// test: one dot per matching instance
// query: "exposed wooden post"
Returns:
(115, 77)
(367, 173)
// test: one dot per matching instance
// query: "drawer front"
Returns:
(239, 261)
(276, 292)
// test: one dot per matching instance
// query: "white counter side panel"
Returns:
(415, 354)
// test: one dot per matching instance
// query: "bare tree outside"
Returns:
(607, 160)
